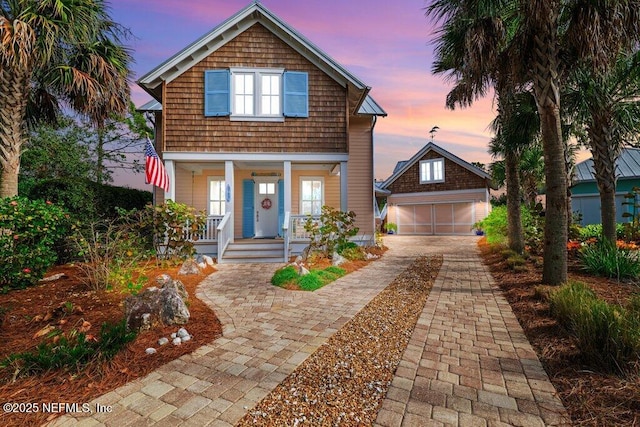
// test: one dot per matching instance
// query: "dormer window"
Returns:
(256, 94)
(431, 171)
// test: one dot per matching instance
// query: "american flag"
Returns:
(154, 169)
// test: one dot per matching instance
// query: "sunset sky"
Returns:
(387, 44)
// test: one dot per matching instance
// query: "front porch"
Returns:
(212, 241)
(255, 197)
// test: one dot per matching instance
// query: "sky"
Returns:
(387, 44)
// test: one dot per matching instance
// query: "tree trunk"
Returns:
(14, 90)
(605, 152)
(544, 73)
(514, 220)
(100, 156)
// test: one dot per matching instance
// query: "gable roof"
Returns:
(254, 13)
(404, 165)
(627, 166)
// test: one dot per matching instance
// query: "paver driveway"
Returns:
(268, 332)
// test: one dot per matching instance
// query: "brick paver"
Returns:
(474, 366)
(468, 362)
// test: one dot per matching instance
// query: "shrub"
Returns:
(354, 254)
(311, 281)
(332, 231)
(594, 231)
(608, 335)
(72, 352)
(495, 226)
(606, 259)
(172, 226)
(284, 276)
(111, 252)
(29, 233)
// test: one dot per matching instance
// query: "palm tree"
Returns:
(55, 52)
(608, 107)
(543, 38)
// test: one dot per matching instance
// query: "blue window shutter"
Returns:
(296, 94)
(217, 85)
(280, 206)
(248, 208)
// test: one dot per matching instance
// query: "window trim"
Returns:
(257, 94)
(301, 200)
(223, 200)
(431, 179)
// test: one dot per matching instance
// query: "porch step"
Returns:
(256, 251)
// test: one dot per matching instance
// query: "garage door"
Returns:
(438, 218)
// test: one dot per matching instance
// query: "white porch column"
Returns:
(171, 171)
(344, 196)
(228, 194)
(287, 186)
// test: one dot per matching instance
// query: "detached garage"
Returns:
(436, 192)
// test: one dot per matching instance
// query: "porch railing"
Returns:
(208, 234)
(286, 235)
(296, 226)
(225, 234)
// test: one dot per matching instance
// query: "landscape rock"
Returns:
(54, 277)
(189, 267)
(163, 341)
(185, 338)
(182, 332)
(152, 306)
(208, 260)
(163, 279)
(177, 341)
(302, 270)
(338, 259)
(150, 350)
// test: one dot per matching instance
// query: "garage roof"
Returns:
(404, 165)
(627, 166)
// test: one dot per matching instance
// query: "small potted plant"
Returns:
(391, 227)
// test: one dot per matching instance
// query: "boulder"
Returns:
(338, 259)
(157, 305)
(208, 260)
(189, 267)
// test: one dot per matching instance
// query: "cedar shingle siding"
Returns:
(187, 129)
(455, 178)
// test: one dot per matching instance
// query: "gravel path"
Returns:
(345, 380)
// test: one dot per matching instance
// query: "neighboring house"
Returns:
(260, 128)
(585, 198)
(436, 192)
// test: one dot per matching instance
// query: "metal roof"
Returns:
(627, 166)
(404, 165)
(369, 106)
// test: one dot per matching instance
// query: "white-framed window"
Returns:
(311, 195)
(216, 195)
(266, 188)
(256, 93)
(431, 171)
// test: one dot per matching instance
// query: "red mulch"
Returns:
(67, 304)
(592, 398)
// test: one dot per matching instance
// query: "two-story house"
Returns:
(260, 128)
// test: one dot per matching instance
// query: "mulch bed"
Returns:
(23, 314)
(345, 381)
(592, 398)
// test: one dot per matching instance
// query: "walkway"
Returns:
(468, 362)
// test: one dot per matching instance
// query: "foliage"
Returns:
(608, 335)
(29, 232)
(356, 253)
(71, 352)
(173, 226)
(332, 231)
(632, 228)
(606, 259)
(315, 279)
(88, 200)
(495, 226)
(594, 231)
(111, 253)
(391, 227)
(284, 275)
